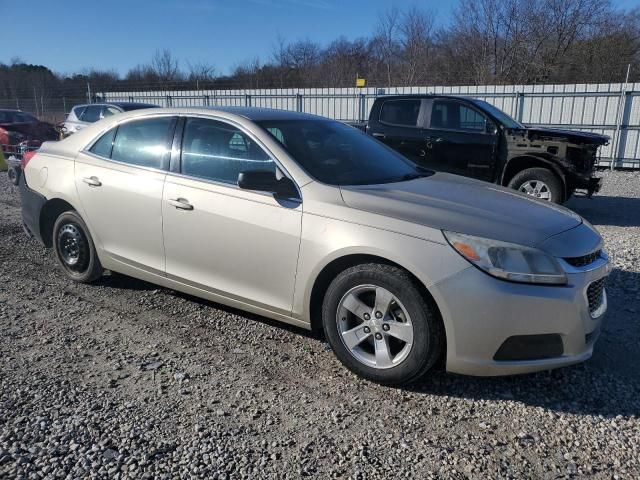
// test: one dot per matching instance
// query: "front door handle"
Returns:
(180, 203)
(378, 135)
(92, 181)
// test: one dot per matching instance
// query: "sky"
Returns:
(73, 35)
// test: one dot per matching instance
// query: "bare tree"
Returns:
(201, 72)
(386, 41)
(166, 66)
(416, 39)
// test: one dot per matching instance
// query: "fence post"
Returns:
(205, 100)
(169, 102)
(619, 140)
(519, 106)
(247, 100)
(298, 102)
(363, 106)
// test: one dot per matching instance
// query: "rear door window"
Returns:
(144, 143)
(401, 112)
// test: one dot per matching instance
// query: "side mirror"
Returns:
(267, 181)
(491, 128)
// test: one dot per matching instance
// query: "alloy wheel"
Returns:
(374, 326)
(537, 189)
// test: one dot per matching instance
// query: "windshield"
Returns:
(337, 154)
(499, 115)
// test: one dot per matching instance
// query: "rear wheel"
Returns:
(539, 183)
(379, 324)
(74, 248)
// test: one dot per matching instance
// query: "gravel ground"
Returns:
(123, 379)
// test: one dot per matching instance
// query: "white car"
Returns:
(81, 116)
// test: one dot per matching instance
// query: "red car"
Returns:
(20, 131)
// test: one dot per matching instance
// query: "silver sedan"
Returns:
(311, 222)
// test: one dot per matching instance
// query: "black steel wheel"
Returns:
(74, 248)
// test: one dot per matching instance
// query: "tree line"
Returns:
(485, 42)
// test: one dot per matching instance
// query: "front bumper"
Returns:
(590, 184)
(485, 312)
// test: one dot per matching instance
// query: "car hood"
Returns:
(573, 136)
(459, 204)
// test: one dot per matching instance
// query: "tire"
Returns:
(539, 183)
(14, 175)
(74, 248)
(408, 310)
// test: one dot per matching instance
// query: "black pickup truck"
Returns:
(473, 138)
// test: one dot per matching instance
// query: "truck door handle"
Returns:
(92, 181)
(180, 203)
(434, 139)
(378, 135)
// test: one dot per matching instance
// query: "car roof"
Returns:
(123, 105)
(258, 114)
(425, 96)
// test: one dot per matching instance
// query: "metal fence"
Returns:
(610, 109)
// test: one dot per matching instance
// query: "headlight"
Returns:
(508, 261)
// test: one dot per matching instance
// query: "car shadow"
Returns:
(605, 210)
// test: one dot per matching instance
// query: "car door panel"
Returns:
(119, 181)
(124, 211)
(459, 140)
(461, 153)
(236, 243)
(239, 244)
(399, 127)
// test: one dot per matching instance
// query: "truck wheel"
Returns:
(539, 183)
(379, 324)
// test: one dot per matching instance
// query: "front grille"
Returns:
(594, 294)
(584, 260)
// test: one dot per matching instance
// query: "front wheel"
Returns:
(379, 324)
(539, 183)
(74, 248)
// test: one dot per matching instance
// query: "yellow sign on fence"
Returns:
(361, 82)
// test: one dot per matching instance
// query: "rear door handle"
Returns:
(92, 181)
(180, 203)
(378, 135)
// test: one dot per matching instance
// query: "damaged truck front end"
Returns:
(572, 155)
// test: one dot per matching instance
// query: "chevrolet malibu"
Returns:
(312, 222)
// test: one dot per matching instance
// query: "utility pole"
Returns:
(89, 93)
(35, 101)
